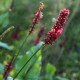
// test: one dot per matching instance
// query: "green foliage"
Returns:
(50, 69)
(4, 20)
(35, 63)
(24, 12)
(4, 5)
(61, 78)
(4, 45)
(1, 68)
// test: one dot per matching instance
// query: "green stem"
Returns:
(21, 47)
(30, 67)
(5, 79)
(27, 62)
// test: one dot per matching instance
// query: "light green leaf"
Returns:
(50, 69)
(35, 63)
(61, 78)
(9, 78)
(4, 45)
(1, 68)
(4, 5)
(4, 19)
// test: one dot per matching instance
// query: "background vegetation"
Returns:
(61, 61)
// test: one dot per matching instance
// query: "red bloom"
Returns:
(8, 67)
(58, 28)
(37, 41)
(15, 34)
(38, 17)
(42, 30)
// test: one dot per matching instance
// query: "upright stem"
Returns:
(30, 67)
(21, 47)
(27, 62)
(5, 79)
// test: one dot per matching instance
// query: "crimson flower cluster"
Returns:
(8, 67)
(41, 32)
(38, 17)
(58, 28)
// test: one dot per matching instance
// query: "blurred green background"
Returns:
(60, 61)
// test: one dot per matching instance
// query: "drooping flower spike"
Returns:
(8, 67)
(38, 17)
(58, 28)
(41, 32)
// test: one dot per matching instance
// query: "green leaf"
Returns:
(35, 62)
(4, 5)
(9, 78)
(4, 45)
(1, 68)
(61, 78)
(50, 69)
(48, 77)
(4, 19)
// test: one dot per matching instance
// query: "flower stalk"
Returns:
(21, 47)
(31, 66)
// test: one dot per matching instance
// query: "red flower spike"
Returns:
(41, 32)
(38, 17)
(8, 67)
(58, 28)
(15, 34)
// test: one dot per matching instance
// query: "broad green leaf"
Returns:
(1, 68)
(50, 69)
(4, 45)
(35, 61)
